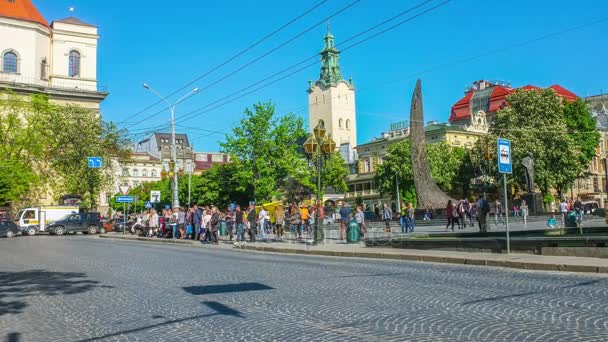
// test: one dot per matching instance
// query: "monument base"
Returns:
(535, 202)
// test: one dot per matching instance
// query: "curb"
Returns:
(533, 266)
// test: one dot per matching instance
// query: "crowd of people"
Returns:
(205, 223)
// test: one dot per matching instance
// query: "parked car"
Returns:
(115, 225)
(590, 207)
(88, 223)
(8, 228)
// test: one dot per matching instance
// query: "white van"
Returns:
(33, 220)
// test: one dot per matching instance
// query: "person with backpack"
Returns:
(483, 208)
(579, 210)
(295, 221)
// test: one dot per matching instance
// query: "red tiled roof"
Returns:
(564, 92)
(461, 109)
(22, 10)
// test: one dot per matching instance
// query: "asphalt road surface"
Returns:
(81, 288)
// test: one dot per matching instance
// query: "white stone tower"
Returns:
(332, 99)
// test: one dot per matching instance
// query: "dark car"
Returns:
(88, 223)
(8, 228)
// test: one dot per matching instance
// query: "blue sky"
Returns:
(168, 44)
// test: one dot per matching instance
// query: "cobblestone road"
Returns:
(79, 288)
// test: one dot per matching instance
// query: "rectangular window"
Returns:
(144, 173)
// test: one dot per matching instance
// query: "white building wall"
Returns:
(336, 107)
(31, 42)
(68, 37)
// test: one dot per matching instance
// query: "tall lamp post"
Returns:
(318, 149)
(174, 194)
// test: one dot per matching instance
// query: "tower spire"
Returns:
(330, 56)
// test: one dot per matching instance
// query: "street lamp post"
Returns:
(318, 149)
(174, 193)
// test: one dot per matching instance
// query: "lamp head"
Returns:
(146, 86)
(196, 90)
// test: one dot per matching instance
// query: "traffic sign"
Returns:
(505, 164)
(124, 189)
(155, 196)
(95, 162)
(124, 199)
(148, 205)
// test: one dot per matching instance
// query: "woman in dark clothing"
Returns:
(451, 218)
(215, 224)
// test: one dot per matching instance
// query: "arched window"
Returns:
(321, 123)
(10, 62)
(74, 64)
(43, 66)
(347, 123)
(340, 123)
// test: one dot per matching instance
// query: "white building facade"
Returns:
(59, 60)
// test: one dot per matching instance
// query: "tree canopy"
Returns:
(450, 167)
(44, 147)
(535, 122)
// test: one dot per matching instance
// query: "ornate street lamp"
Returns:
(318, 149)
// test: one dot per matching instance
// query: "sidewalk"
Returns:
(518, 261)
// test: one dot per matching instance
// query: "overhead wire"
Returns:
(343, 9)
(235, 56)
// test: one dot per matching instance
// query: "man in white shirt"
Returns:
(563, 209)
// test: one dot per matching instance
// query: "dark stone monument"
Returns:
(533, 198)
(427, 191)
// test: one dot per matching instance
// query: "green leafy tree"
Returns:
(450, 167)
(534, 122)
(78, 133)
(266, 150)
(582, 127)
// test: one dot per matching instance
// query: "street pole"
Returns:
(124, 218)
(174, 191)
(318, 234)
(605, 182)
(174, 152)
(398, 194)
(504, 180)
(189, 181)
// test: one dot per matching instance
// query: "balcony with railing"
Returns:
(20, 81)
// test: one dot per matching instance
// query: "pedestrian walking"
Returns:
(344, 218)
(230, 221)
(451, 213)
(251, 219)
(263, 217)
(241, 221)
(473, 212)
(461, 214)
(206, 224)
(387, 216)
(295, 222)
(216, 218)
(411, 217)
(360, 218)
(579, 210)
(174, 224)
(181, 222)
(498, 212)
(403, 218)
(305, 214)
(483, 208)
(154, 223)
(279, 219)
(524, 212)
(563, 209)
(197, 220)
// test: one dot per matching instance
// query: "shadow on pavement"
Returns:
(226, 288)
(218, 308)
(516, 295)
(15, 287)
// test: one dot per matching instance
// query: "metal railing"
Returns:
(19, 80)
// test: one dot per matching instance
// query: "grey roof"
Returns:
(159, 136)
(73, 21)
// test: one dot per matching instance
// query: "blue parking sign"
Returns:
(505, 164)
